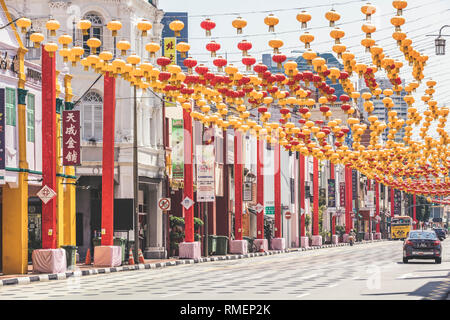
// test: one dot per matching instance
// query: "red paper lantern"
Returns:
(244, 45)
(260, 68)
(248, 62)
(208, 25)
(220, 63)
(279, 59)
(213, 47)
(189, 63)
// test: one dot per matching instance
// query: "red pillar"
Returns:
(277, 185)
(348, 198)
(48, 147)
(377, 204)
(333, 219)
(392, 202)
(302, 193)
(109, 111)
(315, 230)
(260, 188)
(188, 190)
(238, 172)
(414, 211)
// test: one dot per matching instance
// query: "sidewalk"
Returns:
(84, 270)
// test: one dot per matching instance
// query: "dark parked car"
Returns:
(422, 244)
(440, 233)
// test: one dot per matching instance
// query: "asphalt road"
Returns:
(367, 271)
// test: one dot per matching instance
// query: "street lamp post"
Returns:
(439, 42)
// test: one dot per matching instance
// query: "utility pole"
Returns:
(135, 180)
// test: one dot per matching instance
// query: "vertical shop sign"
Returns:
(71, 138)
(331, 193)
(177, 149)
(205, 173)
(2, 134)
(170, 49)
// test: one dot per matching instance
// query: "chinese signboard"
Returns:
(370, 199)
(168, 33)
(177, 149)
(247, 191)
(354, 184)
(71, 138)
(205, 173)
(331, 193)
(170, 50)
(342, 194)
(2, 134)
(397, 202)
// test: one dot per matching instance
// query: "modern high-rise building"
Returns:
(380, 110)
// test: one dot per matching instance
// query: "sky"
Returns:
(422, 18)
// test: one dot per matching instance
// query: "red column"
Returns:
(414, 211)
(302, 193)
(348, 199)
(377, 204)
(333, 219)
(48, 147)
(277, 185)
(260, 188)
(392, 202)
(315, 230)
(238, 171)
(109, 111)
(188, 190)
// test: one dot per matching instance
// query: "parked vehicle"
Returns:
(440, 233)
(422, 244)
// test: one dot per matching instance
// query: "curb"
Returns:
(80, 273)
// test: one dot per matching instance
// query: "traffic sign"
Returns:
(46, 194)
(287, 215)
(259, 207)
(164, 204)
(187, 203)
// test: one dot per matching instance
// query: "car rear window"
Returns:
(422, 235)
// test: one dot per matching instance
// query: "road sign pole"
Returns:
(260, 187)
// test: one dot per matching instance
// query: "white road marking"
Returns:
(302, 295)
(169, 295)
(404, 276)
(310, 276)
(332, 285)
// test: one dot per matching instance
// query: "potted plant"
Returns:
(177, 232)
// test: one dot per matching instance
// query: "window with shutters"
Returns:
(10, 106)
(30, 117)
(95, 31)
(92, 116)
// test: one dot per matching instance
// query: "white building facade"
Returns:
(88, 97)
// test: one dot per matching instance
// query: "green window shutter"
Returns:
(10, 106)
(30, 117)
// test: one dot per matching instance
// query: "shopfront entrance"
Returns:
(34, 225)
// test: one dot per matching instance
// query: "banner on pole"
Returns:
(71, 137)
(205, 173)
(331, 193)
(177, 149)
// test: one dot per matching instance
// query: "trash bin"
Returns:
(71, 255)
(121, 242)
(222, 245)
(249, 243)
(360, 236)
(212, 244)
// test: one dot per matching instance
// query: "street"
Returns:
(366, 271)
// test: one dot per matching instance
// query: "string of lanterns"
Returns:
(411, 166)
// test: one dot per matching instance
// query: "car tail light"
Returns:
(409, 242)
(436, 242)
